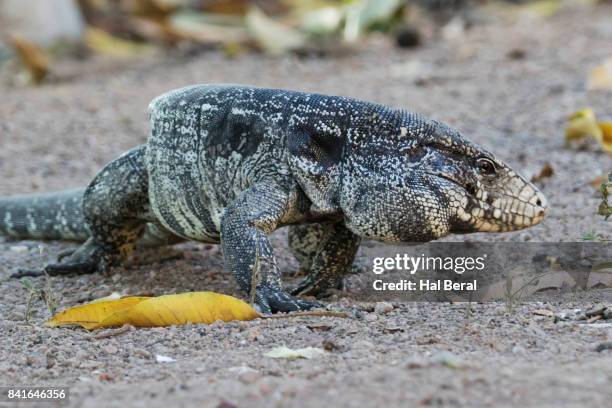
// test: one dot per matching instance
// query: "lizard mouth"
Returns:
(470, 188)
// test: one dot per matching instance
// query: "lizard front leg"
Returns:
(245, 225)
(332, 260)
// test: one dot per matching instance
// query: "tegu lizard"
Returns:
(231, 164)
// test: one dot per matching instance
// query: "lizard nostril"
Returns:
(539, 203)
(470, 188)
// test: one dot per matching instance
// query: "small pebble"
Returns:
(249, 377)
(383, 307)
(19, 249)
(370, 317)
(446, 358)
(604, 346)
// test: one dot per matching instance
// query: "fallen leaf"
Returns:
(321, 21)
(32, 57)
(363, 15)
(329, 345)
(91, 314)
(163, 359)
(270, 35)
(601, 76)
(208, 28)
(546, 172)
(192, 307)
(291, 354)
(606, 130)
(542, 8)
(105, 43)
(584, 124)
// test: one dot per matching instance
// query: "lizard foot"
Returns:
(84, 261)
(88, 258)
(270, 300)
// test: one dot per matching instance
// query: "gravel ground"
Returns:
(57, 136)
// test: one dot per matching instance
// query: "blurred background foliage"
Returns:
(34, 32)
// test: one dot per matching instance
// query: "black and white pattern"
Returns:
(230, 164)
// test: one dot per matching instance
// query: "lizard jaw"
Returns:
(503, 212)
(480, 211)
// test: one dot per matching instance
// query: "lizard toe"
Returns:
(56, 269)
(270, 300)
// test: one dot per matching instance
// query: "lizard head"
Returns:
(422, 180)
(483, 193)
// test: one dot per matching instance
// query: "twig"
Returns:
(113, 332)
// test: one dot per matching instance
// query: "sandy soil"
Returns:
(59, 135)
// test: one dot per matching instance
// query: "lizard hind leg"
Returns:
(304, 241)
(115, 206)
(328, 251)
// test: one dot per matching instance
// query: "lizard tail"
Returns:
(44, 216)
(60, 216)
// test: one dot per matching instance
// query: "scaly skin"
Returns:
(230, 164)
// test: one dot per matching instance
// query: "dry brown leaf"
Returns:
(233, 7)
(546, 172)
(32, 57)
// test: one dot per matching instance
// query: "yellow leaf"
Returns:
(105, 43)
(192, 307)
(542, 8)
(581, 124)
(91, 314)
(584, 124)
(606, 132)
(32, 57)
(601, 76)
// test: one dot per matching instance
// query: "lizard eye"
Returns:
(486, 166)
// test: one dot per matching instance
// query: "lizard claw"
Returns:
(64, 254)
(270, 300)
(30, 273)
